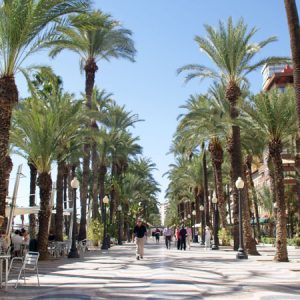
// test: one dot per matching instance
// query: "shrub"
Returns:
(225, 236)
(95, 232)
(297, 241)
(268, 240)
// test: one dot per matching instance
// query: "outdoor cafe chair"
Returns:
(30, 263)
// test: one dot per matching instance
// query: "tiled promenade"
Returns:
(164, 274)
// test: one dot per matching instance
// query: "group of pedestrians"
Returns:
(183, 237)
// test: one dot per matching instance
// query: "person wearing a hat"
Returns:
(139, 233)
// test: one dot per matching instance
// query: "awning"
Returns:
(32, 210)
(22, 210)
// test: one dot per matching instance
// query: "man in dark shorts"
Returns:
(139, 233)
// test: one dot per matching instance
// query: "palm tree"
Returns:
(203, 123)
(94, 36)
(100, 103)
(35, 133)
(43, 131)
(231, 50)
(294, 27)
(25, 28)
(273, 117)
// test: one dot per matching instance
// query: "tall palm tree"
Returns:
(203, 123)
(42, 131)
(94, 36)
(100, 103)
(36, 134)
(231, 50)
(273, 117)
(25, 28)
(294, 27)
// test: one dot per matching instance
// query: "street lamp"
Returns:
(128, 229)
(73, 251)
(194, 231)
(105, 244)
(189, 217)
(201, 207)
(241, 252)
(119, 208)
(275, 205)
(253, 224)
(214, 201)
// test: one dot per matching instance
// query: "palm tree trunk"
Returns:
(102, 172)
(59, 201)
(232, 95)
(234, 149)
(90, 71)
(250, 243)
(84, 191)
(294, 27)
(275, 148)
(45, 184)
(248, 163)
(32, 219)
(205, 190)
(8, 98)
(216, 153)
(65, 180)
(95, 181)
(5, 170)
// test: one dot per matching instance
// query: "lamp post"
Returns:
(253, 224)
(73, 251)
(201, 207)
(189, 217)
(241, 252)
(128, 229)
(275, 206)
(214, 201)
(119, 225)
(194, 231)
(105, 240)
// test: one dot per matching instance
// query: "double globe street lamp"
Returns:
(214, 201)
(73, 251)
(105, 242)
(119, 208)
(194, 231)
(201, 207)
(241, 252)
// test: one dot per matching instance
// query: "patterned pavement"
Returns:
(163, 274)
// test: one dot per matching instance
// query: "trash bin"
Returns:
(196, 239)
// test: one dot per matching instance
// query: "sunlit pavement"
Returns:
(164, 274)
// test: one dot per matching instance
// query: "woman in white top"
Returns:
(189, 236)
(207, 237)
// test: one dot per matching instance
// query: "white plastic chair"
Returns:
(30, 263)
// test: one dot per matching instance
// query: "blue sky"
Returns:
(163, 31)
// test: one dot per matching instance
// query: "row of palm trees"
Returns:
(51, 126)
(89, 137)
(229, 117)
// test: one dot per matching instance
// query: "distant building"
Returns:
(163, 210)
(277, 76)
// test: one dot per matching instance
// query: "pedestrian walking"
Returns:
(183, 238)
(189, 236)
(157, 235)
(207, 238)
(177, 237)
(139, 233)
(168, 235)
